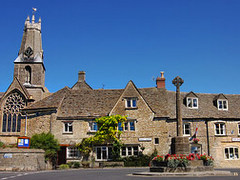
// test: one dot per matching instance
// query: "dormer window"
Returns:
(131, 103)
(222, 104)
(192, 102)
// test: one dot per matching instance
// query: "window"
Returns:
(239, 129)
(186, 129)
(156, 140)
(131, 103)
(93, 126)
(129, 151)
(192, 102)
(231, 153)
(222, 104)
(28, 75)
(11, 119)
(103, 153)
(128, 126)
(73, 153)
(68, 127)
(220, 129)
(120, 127)
(132, 125)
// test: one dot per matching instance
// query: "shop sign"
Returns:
(144, 139)
(236, 139)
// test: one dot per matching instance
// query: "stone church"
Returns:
(27, 108)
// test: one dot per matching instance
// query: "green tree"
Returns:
(48, 143)
(107, 133)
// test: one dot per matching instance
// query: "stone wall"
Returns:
(12, 159)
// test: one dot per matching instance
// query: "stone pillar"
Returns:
(181, 143)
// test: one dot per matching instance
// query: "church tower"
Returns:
(29, 67)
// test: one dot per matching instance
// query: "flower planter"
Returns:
(159, 164)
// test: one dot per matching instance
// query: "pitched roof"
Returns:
(206, 106)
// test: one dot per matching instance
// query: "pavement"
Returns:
(188, 174)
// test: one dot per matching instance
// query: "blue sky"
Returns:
(115, 41)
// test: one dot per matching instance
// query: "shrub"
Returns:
(76, 165)
(137, 161)
(64, 166)
(47, 142)
(2, 144)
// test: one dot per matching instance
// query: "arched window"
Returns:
(11, 119)
(28, 74)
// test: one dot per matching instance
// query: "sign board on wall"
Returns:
(23, 142)
(236, 139)
(7, 155)
(144, 139)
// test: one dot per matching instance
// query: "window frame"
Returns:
(129, 103)
(92, 125)
(222, 101)
(220, 129)
(234, 148)
(184, 129)
(64, 127)
(129, 151)
(69, 148)
(156, 141)
(239, 129)
(123, 127)
(192, 102)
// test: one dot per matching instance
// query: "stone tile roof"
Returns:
(52, 101)
(157, 100)
(86, 102)
(1, 94)
(89, 103)
(207, 107)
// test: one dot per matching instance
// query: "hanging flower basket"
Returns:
(195, 140)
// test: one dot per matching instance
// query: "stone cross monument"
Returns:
(181, 143)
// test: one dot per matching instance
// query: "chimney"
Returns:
(81, 76)
(160, 81)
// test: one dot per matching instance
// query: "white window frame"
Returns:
(217, 125)
(191, 100)
(107, 153)
(221, 101)
(131, 103)
(71, 148)
(130, 151)
(91, 126)
(235, 156)
(69, 124)
(185, 129)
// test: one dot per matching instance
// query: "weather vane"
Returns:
(34, 10)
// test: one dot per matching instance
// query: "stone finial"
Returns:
(33, 18)
(28, 19)
(40, 20)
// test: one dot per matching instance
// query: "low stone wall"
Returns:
(13, 159)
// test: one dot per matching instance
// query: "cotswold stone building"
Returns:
(28, 108)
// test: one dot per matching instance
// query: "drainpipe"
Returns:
(25, 134)
(208, 147)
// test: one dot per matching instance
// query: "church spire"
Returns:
(29, 67)
(31, 46)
